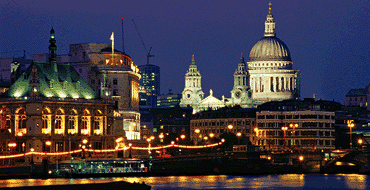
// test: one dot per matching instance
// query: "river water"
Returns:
(287, 181)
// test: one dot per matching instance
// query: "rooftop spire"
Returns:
(192, 59)
(52, 46)
(270, 7)
(269, 24)
(242, 58)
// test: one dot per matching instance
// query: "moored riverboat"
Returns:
(100, 168)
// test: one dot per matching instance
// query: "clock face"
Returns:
(237, 94)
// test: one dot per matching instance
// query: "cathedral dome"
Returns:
(270, 49)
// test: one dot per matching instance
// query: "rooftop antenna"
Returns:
(123, 39)
(148, 52)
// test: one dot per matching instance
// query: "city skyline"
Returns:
(327, 40)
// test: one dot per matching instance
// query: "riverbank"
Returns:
(92, 186)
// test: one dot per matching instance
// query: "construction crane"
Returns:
(148, 52)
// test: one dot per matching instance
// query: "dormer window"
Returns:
(51, 83)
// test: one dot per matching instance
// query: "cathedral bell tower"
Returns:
(192, 94)
(241, 93)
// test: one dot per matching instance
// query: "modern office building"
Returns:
(296, 124)
(169, 100)
(150, 83)
(210, 124)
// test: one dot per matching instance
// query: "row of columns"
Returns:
(15, 124)
(193, 82)
(273, 84)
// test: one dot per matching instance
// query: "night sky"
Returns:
(328, 40)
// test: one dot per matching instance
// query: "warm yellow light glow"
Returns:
(239, 134)
(83, 146)
(32, 149)
(129, 144)
(197, 130)
(20, 134)
(161, 136)
(222, 140)
(148, 139)
(284, 128)
(182, 136)
(268, 157)
(12, 145)
(84, 141)
(48, 143)
(152, 137)
(256, 129)
(360, 141)
(211, 135)
(172, 142)
(230, 126)
(119, 139)
(205, 138)
(301, 158)
(85, 131)
(98, 132)
(350, 123)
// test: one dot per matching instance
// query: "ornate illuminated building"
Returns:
(113, 76)
(270, 68)
(193, 95)
(52, 102)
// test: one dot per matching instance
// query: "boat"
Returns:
(101, 168)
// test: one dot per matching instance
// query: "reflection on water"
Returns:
(355, 181)
(287, 181)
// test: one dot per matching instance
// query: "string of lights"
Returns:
(109, 150)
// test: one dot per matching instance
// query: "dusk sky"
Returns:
(329, 41)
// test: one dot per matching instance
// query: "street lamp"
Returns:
(84, 142)
(360, 141)
(197, 131)
(48, 143)
(230, 127)
(211, 135)
(256, 131)
(350, 124)
(161, 136)
(149, 139)
(284, 129)
(11, 147)
(182, 136)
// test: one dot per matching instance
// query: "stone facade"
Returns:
(270, 68)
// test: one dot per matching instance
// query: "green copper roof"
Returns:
(65, 83)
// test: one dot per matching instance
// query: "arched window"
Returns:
(20, 122)
(98, 123)
(85, 125)
(59, 122)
